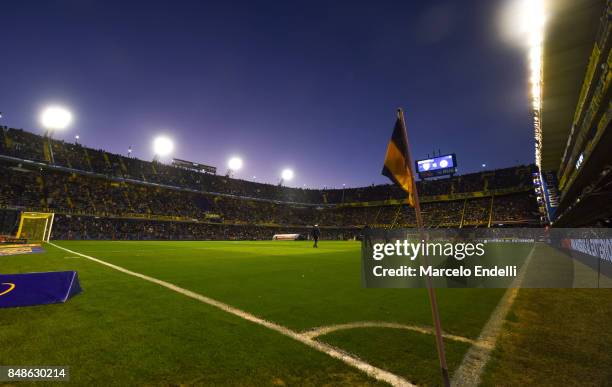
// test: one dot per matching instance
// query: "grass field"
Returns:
(124, 330)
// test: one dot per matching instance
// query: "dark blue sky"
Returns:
(308, 85)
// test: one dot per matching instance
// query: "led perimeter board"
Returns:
(437, 166)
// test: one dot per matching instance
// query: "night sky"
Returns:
(308, 85)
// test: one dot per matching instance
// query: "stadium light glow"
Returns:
(535, 22)
(162, 146)
(55, 118)
(234, 163)
(287, 174)
(523, 22)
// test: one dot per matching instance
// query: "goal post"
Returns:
(35, 226)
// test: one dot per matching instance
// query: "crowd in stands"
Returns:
(25, 145)
(508, 208)
(60, 191)
(99, 195)
(80, 227)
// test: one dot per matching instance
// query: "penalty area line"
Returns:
(368, 369)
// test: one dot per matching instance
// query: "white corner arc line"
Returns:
(368, 369)
(323, 330)
(470, 370)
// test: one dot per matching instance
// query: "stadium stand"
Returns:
(573, 146)
(101, 195)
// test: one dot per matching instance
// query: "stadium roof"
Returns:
(569, 38)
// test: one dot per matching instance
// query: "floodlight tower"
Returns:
(234, 164)
(286, 175)
(54, 118)
(162, 146)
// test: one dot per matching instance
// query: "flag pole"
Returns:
(430, 289)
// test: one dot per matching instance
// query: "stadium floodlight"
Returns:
(287, 174)
(162, 146)
(55, 118)
(234, 163)
(523, 22)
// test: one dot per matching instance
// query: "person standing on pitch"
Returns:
(315, 233)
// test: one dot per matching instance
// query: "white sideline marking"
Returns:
(320, 331)
(336, 353)
(477, 357)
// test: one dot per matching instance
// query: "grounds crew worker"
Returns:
(315, 233)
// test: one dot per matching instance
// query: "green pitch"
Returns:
(124, 330)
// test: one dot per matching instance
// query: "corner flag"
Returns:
(397, 160)
(398, 168)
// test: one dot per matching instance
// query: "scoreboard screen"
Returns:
(437, 166)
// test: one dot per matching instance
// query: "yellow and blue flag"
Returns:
(397, 160)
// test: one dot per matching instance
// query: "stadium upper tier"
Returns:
(24, 186)
(102, 195)
(575, 137)
(24, 145)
